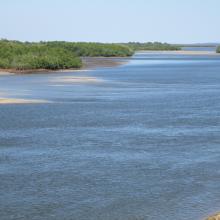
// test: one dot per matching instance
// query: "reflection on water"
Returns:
(142, 143)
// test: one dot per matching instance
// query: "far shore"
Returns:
(181, 52)
(88, 64)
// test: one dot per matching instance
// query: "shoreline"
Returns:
(88, 63)
(180, 52)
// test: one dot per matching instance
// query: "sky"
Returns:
(172, 21)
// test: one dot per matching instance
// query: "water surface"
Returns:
(143, 143)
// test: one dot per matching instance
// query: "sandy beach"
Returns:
(76, 79)
(20, 101)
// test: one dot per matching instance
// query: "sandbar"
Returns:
(20, 101)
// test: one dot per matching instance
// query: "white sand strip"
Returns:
(76, 79)
(20, 101)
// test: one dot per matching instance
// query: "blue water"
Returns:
(141, 143)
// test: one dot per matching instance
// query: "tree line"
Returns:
(22, 56)
(65, 55)
(54, 55)
(157, 46)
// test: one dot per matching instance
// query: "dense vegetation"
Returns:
(218, 49)
(22, 56)
(64, 55)
(152, 46)
(53, 55)
(93, 49)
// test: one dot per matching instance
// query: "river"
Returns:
(139, 142)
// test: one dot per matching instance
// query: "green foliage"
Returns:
(152, 46)
(22, 56)
(63, 55)
(218, 50)
(54, 60)
(54, 55)
(94, 49)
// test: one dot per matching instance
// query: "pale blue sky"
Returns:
(174, 21)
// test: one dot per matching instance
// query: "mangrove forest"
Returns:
(65, 55)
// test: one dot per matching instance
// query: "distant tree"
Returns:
(151, 46)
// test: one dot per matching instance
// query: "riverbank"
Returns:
(88, 63)
(105, 62)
